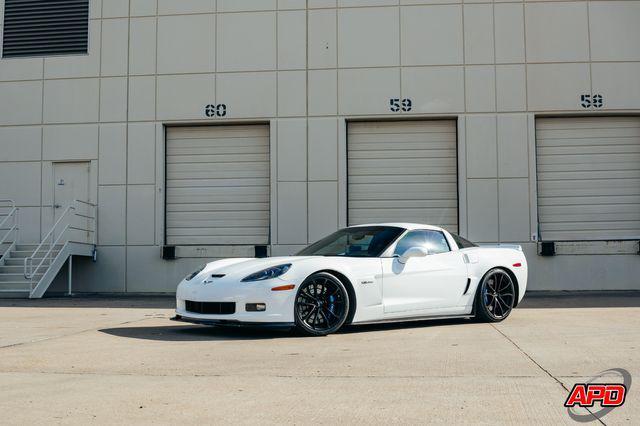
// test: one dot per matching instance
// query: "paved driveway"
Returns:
(120, 360)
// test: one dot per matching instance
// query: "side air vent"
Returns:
(45, 27)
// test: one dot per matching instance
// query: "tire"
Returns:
(321, 306)
(495, 296)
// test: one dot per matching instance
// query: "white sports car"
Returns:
(360, 274)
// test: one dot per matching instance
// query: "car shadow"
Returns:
(196, 333)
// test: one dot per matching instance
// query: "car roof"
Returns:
(408, 226)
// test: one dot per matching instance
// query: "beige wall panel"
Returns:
(323, 48)
(113, 99)
(323, 92)
(292, 40)
(143, 7)
(248, 95)
(480, 88)
(20, 69)
(292, 93)
(557, 32)
(367, 91)
(556, 86)
(433, 89)
(112, 154)
(142, 46)
(140, 223)
(481, 146)
(29, 222)
(368, 37)
(112, 214)
(184, 96)
(618, 83)
(171, 7)
(185, 44)
(240, 50)
(107, 275)
(292, 212)
(71, 101)
(323, 149)
(509, 33)
(22, 143)
(141, 160)
(70, 142)
(25, 176)
(25, 106)
(431, 35)
(513, 196)
(115, 45)
(292, 149)
(614, 31)
(245, 5)
(482, 210)
(511, 88)
(478, 33)
(142, 98)
(115, 8)
(323, 209)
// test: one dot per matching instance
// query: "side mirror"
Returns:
(413, 252)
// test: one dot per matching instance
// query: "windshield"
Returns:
(359, 241)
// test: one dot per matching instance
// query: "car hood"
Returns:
(239, 268)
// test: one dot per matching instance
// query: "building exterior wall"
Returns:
(308, 67)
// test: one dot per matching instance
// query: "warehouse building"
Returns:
(205, 129)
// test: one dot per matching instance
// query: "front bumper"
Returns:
(279, 304)
(232, 323)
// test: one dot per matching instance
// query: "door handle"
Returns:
(56, 206)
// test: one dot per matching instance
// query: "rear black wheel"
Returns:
(496, 296)
(322, 305)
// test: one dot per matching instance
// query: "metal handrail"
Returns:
(15, 229)
(29, 271)
(12, 214)
(29, 260)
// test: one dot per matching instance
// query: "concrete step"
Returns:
(14, 287)
(21, 254)
(19, 261)
(11, 269)
(32, 247)
(19, 278)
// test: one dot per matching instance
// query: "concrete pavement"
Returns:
(120, 360)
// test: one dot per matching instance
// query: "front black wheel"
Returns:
(321, 305)
(496, 296)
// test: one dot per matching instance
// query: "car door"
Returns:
(436, 281)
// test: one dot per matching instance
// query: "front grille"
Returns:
(211, 308)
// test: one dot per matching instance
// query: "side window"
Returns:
(437, 242)
(412, 239)
(434, 241)
(461, 242)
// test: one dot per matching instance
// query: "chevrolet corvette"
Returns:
(361, 274)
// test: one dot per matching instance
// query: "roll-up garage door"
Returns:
(588, 178)
(403, 171)
(217, 185)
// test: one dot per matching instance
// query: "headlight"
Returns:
(194, 273)
(267, 274)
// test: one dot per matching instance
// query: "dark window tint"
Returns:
(358, 241)
(461, 242)
(434, 241)
(45, 27)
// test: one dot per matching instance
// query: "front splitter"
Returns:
(232, 323)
